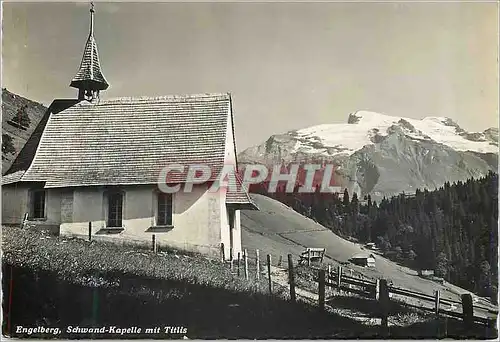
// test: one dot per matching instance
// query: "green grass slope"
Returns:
(57, 282)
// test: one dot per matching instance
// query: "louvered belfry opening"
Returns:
(89, 79)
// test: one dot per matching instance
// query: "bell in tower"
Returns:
(89, 79)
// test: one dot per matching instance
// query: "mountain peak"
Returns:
(367, 128)
(445, 121)
(368, 117)
(384, 155)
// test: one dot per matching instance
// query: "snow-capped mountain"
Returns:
(385, 155)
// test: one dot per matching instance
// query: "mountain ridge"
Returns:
(385, 155)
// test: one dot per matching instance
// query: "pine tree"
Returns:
(441, 269)
(22, 118)
(7, 145)
(345, 201)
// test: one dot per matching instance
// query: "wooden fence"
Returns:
(381, 291)
(242, 261)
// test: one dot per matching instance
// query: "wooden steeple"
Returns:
(89, 79)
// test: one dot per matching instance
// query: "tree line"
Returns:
(452, 230)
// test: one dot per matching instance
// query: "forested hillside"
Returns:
(20, 117)
(452, 230)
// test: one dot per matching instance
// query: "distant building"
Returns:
(426, 273)
(99, 161)
(370, 245)
(362, 259)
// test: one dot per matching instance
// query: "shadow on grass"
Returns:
(42, 299)
(428, 327)
(367, 306)
(444, 328)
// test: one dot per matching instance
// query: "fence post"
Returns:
(384, 305)
(280, 261)
(239, 262)
(350, 273)
(257, 266)
(308, 257)
(245, 257)
(231, 258)
(90, 231)
(321, 289)
(269, 273)
(339, 277)
(436, 309)
(329, 271)
(154, 242)
(436, 302)
(377, 289)
(468, 311)
(291, 278)
(222, 252)
(25, 217)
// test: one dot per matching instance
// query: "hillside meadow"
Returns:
(55, 282)
(69, 282)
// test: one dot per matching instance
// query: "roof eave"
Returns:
(89, 84)
(243, 206)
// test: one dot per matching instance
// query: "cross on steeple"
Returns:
(92, 18)
(89, 79)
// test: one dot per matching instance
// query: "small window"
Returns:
(115, 209)
(164, 210)
(38, 204)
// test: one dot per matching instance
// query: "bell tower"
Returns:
(89, 79)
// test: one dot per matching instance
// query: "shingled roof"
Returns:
(90, 73)
(90, 76)
(128, 141)
(240, 197)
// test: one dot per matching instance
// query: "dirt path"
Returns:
(280, 277)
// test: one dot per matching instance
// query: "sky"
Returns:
(287, 65)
